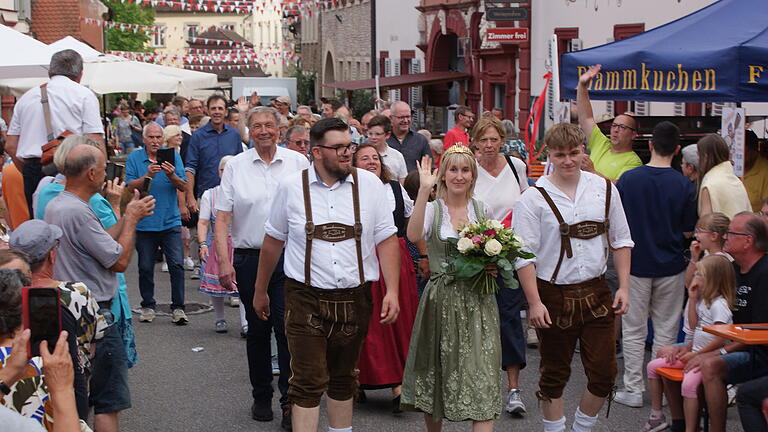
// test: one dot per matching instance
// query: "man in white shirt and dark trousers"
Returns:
(569, 220)
(331, 222)
(72, 108)
(248, 189)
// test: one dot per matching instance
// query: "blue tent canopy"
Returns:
(716, 54)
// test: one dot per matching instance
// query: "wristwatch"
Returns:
(4, 388)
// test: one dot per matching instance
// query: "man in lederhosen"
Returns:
(331, 222)
(569, 221)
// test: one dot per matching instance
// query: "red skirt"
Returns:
(382, 358)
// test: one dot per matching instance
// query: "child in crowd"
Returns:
(209, 283)
(710, 301)
(710, 238)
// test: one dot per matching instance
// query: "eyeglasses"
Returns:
(734, 233)
(489, 140)
(349, 148)
(300, 142)
(403, 117)
(622, 127)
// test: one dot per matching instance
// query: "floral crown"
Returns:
(458, 148)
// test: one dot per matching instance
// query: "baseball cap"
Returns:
(284, 99)
(35, 238)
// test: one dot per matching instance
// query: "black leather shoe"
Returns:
(396, 405)
(262, 411)
(286, 422)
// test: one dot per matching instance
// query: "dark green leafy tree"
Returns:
(129, 13)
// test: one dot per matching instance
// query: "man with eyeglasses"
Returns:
(459, 134)
(332, 224)
(609, 157)
(379, 130)
(413, 146)
(297, 139)
(735, 363)
(248, 190)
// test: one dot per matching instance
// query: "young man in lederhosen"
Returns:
(569, 221)
(331, 222)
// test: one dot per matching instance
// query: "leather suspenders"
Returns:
(584, 230)
(332, 231)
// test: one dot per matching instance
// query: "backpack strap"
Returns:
(46, 111)
(514, 171)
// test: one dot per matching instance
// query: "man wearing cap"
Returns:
(283, 105)
(80, 315)
(88, 253)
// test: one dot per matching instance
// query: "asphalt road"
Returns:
(174, 388)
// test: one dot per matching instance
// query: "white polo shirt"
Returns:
(73, 108)
(334, 265)
(248, 188)
(395, 162)
(535, 222)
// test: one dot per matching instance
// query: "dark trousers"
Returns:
(511, 302)
(170, 243)
(749, 399)
(580, 312)
(258, 342)
(32, 174)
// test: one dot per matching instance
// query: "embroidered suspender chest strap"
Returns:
(332, 231)
(584, 230)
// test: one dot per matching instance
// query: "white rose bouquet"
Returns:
(483, 243)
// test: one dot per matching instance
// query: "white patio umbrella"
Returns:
(106, 73)
(24, 56)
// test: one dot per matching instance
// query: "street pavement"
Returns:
(174, 388)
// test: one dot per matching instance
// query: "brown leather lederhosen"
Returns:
(584, 230)
(332, 231)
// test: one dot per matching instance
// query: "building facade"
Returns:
(454, 38)
(310, 47)
(346, 45)
(55, 19)
(398, 28)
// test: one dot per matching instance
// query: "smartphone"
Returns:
(115, 170)
(166, 155)
(144, 189)
(41, 314)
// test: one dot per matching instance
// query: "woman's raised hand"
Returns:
(427, 176)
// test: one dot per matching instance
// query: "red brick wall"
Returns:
(55, 19)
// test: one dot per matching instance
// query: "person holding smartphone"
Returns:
(163, 228)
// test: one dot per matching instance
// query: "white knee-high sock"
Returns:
(243, 321)
(218, 307)
(554, 425)
(349, 429)
(583, 422)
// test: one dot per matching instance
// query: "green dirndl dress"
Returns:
(454, 357)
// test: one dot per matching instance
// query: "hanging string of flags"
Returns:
(304, 7)
(248, 57)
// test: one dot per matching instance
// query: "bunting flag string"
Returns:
(212, 59)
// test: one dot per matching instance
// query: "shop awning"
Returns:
(411, 80)
(716, 54)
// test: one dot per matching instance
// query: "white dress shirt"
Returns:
(395, 162)
(334, 265)
(73, 108)
(535, 222)
(501, 192)
(248, 188)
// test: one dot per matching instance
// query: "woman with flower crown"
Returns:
(454, 355)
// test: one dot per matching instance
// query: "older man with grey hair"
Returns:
(297, 139)
(45, 112)
(248, 184)
(412, 145)
(88, 253)
(690, 163)
(304, 112)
